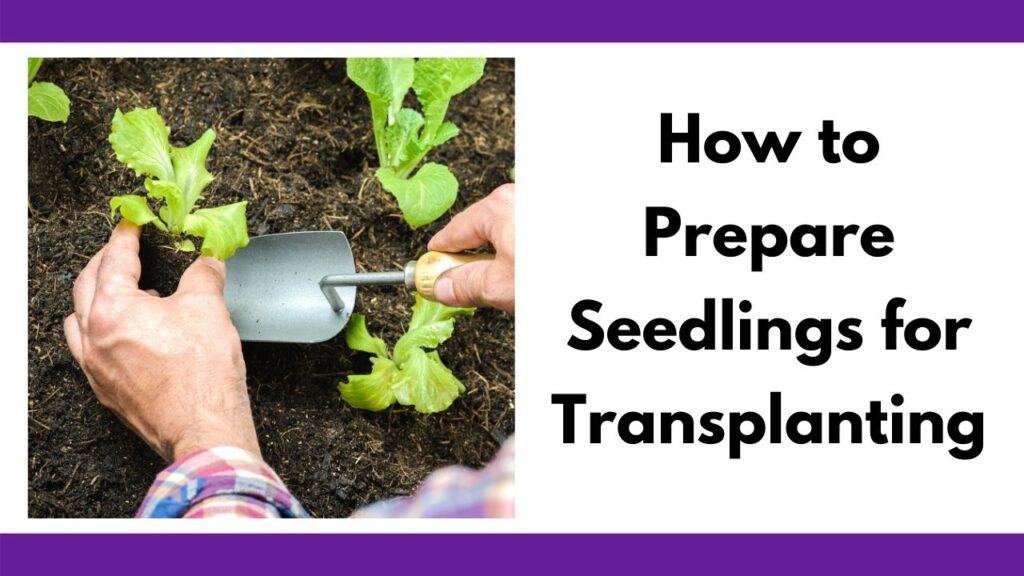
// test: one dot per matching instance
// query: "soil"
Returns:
(294, 139)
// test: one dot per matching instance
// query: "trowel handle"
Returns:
(433, 264)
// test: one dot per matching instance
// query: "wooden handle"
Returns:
(433, 264)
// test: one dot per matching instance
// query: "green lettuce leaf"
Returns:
(446, 132)
(432, 323)
(135, 209)
(48, 102)
(412, 376)
(190, 169)
(190, 178)
(172, 212)
(223, 229)
(436, 81)
(140, 141)
(385, 81)
(425, 196)
(402, 138)
(426, 383)
(371, 391)
(358, 337)
(33, 67)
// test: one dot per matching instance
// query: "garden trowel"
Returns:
(301, 286)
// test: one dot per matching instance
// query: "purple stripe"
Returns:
(520, 21)
(177, 554)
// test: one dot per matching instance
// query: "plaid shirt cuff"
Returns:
(223, 482)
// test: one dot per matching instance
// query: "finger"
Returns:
(463, 285)
(152, 292)
(120, 267)
(478, 224)
(469, 229)
(73, 334)
(85, 288)
(205, 275)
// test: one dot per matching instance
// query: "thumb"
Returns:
(205, 275)
(464, 286)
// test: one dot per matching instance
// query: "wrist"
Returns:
(206, 435)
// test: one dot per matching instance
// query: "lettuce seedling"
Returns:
(176, 177)
(404, 136)
(411, 375)
(46, 101)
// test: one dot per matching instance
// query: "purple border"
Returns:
(621, 554)
(518, 21)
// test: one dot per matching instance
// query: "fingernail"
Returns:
(444, 290)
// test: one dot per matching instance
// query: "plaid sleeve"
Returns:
(223, 482)
(458, 492)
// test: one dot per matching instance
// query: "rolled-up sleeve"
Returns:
(223, 482)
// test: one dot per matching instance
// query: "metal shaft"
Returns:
(363, 279)
(331, 281)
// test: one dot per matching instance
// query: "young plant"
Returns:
(176, 177)
(46, 101)
(410, 375)
(405, 136)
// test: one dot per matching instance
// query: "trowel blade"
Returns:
(273, 287)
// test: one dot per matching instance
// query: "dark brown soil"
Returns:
(294, 139)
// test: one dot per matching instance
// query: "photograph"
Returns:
(271, 287)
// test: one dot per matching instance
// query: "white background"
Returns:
(947, 182)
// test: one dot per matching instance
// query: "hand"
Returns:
(491, 283)
(170, 368)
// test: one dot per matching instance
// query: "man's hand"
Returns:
(170, 368)
(491, 283)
